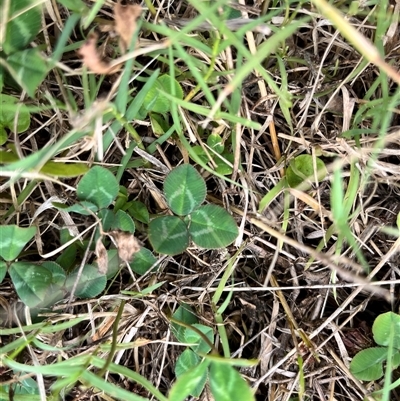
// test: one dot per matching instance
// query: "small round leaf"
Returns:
(182, 388)
(91, 282)
(21, 28)
(31, 282)
(227, 384)
(98, 186)
(302, 168)
(123, 222)
(214, 141)
(212, 227)
(9, 107)
(155, 101)
(143, 261)
(192, 337)
(385, 326)
(367, 364)
(13, 239)
(138, 211)
(184, 189)
(168, 235)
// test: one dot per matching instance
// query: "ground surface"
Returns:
(299, 286)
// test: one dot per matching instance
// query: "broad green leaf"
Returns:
(91, 282)
(3, 270)
(23, 24)
(143, 261)
(9, 107)
(199, 151)
(64, 169)
(192, 337)
(212, 227)
(187, 360)
(367, 364)
(98, 186)
(158, 124)
(168, 235)
(138, 211)
(184, 189)
(191, 381)
(155, 101)
(107, 218)
(7, 157)
(31, 282)
(28, 68)
(85, 208)
(223, 167)
(384, 325)
(122, 221)
(13, 239)
(227, 384)
(214, 141)
(302, 168)
(184, 314)
(58, 275)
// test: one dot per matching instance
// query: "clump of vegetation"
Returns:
(197, 200)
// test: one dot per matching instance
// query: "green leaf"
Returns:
(199, 345)
(31, 282)
(98, 186)
(64, 169)
(143, 261)
(139, 211)
(212, 227)
(200, 153)
(3, 270)
(214, 141)
(155, 101)
(227, 384)
(168, 235)
(367, 364)
(187, 360)
(184, 314)
(22, 27)
(302, 168)
(13, 239)
(7, 157)
(58, 275)
(191, 381)
(9, 107)
(222, 167)
(122, 221)
(28, 68)
(84, 208)
(184, 189)
(383, 326)
(91, 282)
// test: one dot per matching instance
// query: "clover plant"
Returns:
(208, 226)
(368, 363)
(8, 110)
(221, 158)
(24, 66)
(193, 367)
